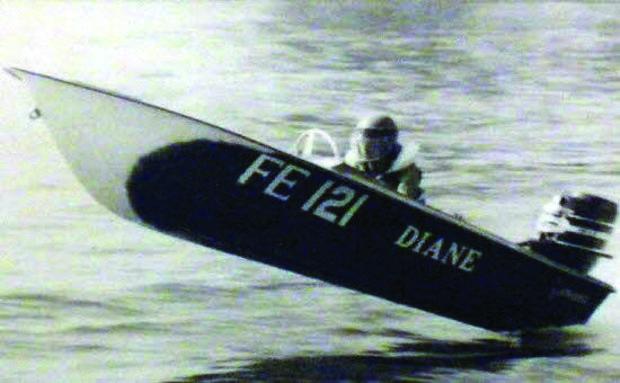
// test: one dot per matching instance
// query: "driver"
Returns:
(375, 153)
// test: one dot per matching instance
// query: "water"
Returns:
(511, 103)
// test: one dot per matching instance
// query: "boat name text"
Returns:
(438, 249)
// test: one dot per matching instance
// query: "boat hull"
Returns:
(222, 190)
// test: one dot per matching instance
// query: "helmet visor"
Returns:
(373, 148)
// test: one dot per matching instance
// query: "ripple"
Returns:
(138, 327)
(40, 301)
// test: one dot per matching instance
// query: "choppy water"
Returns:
(511, 103)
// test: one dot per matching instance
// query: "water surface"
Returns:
(511, 103)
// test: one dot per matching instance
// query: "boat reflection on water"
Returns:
(416, 358)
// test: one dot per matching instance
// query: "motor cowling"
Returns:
(574, 228)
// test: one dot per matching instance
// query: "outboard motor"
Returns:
(574, 228)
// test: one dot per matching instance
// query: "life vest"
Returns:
(393, 177)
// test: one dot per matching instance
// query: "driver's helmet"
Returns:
(375, 138)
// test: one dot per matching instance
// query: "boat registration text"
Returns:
(332, 202)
